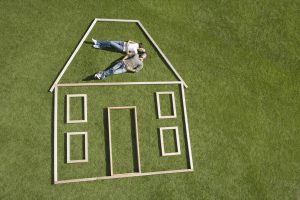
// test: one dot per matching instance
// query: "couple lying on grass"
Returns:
(132, 62)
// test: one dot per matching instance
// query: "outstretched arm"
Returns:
(125, 57)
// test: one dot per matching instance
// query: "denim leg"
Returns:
(103, 44)
(118, 68)
(117, 45)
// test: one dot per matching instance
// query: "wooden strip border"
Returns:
(187, 128)
(116, 20)
(123, 176)
(118, 83)
(55, 172)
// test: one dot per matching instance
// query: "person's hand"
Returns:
(129, 69)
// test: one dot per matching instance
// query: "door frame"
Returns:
(136, 136)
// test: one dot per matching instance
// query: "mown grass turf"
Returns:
(239, 58)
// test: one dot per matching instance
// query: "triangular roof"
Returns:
(164, 58)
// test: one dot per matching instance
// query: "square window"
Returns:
(176, 140)
(81, 106)
(166, 104)
(84, 148)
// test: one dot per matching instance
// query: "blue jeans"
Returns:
(117, 45)
(118, 68)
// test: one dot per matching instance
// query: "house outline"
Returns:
(54, 89)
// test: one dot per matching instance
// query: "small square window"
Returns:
(162, 144)
(81, 107)
(84, 148)
(171, 105)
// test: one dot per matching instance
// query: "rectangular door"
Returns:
(123, 140)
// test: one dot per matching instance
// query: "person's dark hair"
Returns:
(141, 50)
(143, 55)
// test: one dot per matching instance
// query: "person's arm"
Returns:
(129, 69)
(138, 67)
(130, 53)
(125, 57)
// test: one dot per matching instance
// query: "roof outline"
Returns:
(63, 70)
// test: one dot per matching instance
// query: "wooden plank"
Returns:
(109, 139)
(116, 20)
(123, 176)
(55, 173)
(137, 139)
(119, 83)
(187, 128)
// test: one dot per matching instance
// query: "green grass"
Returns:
(240, 60)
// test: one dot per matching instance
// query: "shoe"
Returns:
(102, 76)
(95, 41)
(96, 46)
(98, 75)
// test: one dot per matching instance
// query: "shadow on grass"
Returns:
(134, 141)
(106, 142)
(91, 77)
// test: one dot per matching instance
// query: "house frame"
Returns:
(56, 85)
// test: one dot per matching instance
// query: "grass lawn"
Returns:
(240, 60)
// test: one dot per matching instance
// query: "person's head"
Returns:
(141, 50)
(143, 56)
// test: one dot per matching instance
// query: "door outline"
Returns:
(136, 136)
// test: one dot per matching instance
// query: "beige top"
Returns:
(133, 63)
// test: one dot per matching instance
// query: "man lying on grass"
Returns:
(129, 48)
(130, 63)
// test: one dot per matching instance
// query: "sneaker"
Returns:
(102, 76)
(96, 46)
(95, 41)
(98, 75)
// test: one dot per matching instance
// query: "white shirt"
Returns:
(132, 47)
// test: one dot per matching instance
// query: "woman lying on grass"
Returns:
(129, 48)
(130, 63)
